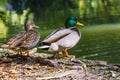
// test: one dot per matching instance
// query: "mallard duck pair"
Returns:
(63, 39)
(58, 41)
(24, 40)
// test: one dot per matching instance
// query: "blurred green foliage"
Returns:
(52, 13)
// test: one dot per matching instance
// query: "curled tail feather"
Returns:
(44, 45)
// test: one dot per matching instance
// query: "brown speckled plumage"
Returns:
(24, 40)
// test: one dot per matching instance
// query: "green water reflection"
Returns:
(100, 43)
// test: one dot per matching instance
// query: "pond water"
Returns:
(100, 42)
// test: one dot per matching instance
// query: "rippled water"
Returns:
(100, 43)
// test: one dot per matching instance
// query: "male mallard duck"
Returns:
(63, 39)
(24, 40)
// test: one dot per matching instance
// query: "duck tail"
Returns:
(44, 45)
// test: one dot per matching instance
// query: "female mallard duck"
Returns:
(24, 40)
(63, 39)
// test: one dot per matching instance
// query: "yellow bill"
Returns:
(80, 24)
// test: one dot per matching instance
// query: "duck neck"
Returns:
(69, 27)
(27, 28)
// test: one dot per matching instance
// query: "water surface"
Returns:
(98, 42)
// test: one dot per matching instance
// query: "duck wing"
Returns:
(16, 37)
(57, 35)
(14, 41)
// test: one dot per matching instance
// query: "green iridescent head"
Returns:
(72, 21)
